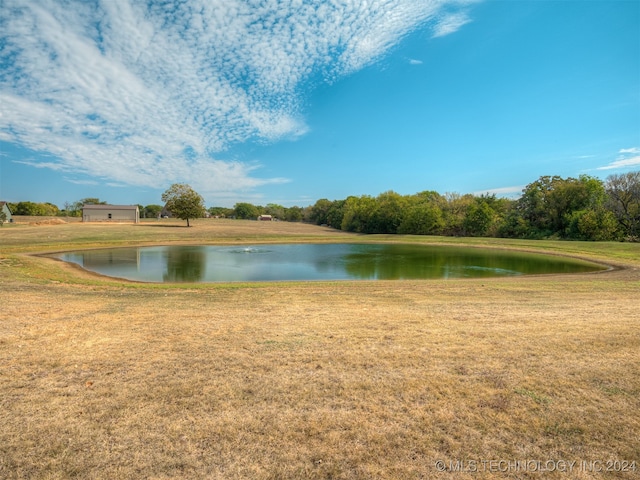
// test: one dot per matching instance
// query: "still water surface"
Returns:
(285, 262)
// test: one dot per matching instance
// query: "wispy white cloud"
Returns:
(40, 164)
(414, 61)
(633, 150)
(622, 163)
(450, 23)
(627, 158)
(81, 182)
(147, 93)
(513, 191)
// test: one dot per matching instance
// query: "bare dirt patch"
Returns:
(43, 220)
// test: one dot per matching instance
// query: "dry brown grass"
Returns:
(344, 380)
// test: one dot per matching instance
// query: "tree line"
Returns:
(583, 208)
(240, 210)
(71, 209)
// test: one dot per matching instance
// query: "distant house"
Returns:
(110, 213)
(166, 213)
(5, 208)
(266, 218)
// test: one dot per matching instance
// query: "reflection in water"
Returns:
(185, 264)
(316, 262)
(393, 262)
(120, 256)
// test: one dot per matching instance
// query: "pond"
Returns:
(295, 262)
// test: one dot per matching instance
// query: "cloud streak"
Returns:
(149, 93)
(450, 23)
(510, 192)
(627, 158)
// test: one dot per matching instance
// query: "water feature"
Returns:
(287, 262)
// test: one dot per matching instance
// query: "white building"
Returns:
(110, 213)
(5, 208)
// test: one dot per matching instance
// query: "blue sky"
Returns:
(290, 101)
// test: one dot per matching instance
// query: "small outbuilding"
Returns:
(4, 207)
(111, 213)
(265, 218)
(166, 213)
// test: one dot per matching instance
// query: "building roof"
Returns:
(2, 204)
(111, 207)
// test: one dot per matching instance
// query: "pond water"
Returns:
(287, 262)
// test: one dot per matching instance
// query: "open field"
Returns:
(104, 379)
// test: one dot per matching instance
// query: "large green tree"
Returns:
(320, 211)
(478, 218)
(454, 209)
(423, 214)
(34, 209)
(359, 214)
(183, 202)
(551, 206)
(246, 211)
(294, 214)
(220, 212)
(389, 212)
(485, 215)
(623, 192)
(152, 211)
(326, 212)
(275, 210)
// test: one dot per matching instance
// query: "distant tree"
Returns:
(51, 209)
(183, 202)
(593, 224)
(91, 201)
(389, 212)
(423, 214)
(549, 206)
(25, 208)
(534, 210)
(335, 215)
(422, 219)
(454, 209)
(320, 211)
(75, 209)
(479, 218)
(306, 214)
(359, 214)
(34, 209)
(574, 195)
(220, 211)
(246, 211)
(294, 214)
(152, 211)
(623, 199)
(275, 210)
(3, 218)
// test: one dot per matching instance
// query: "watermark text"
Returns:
(535, 466)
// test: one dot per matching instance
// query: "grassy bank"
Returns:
(107, 379)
